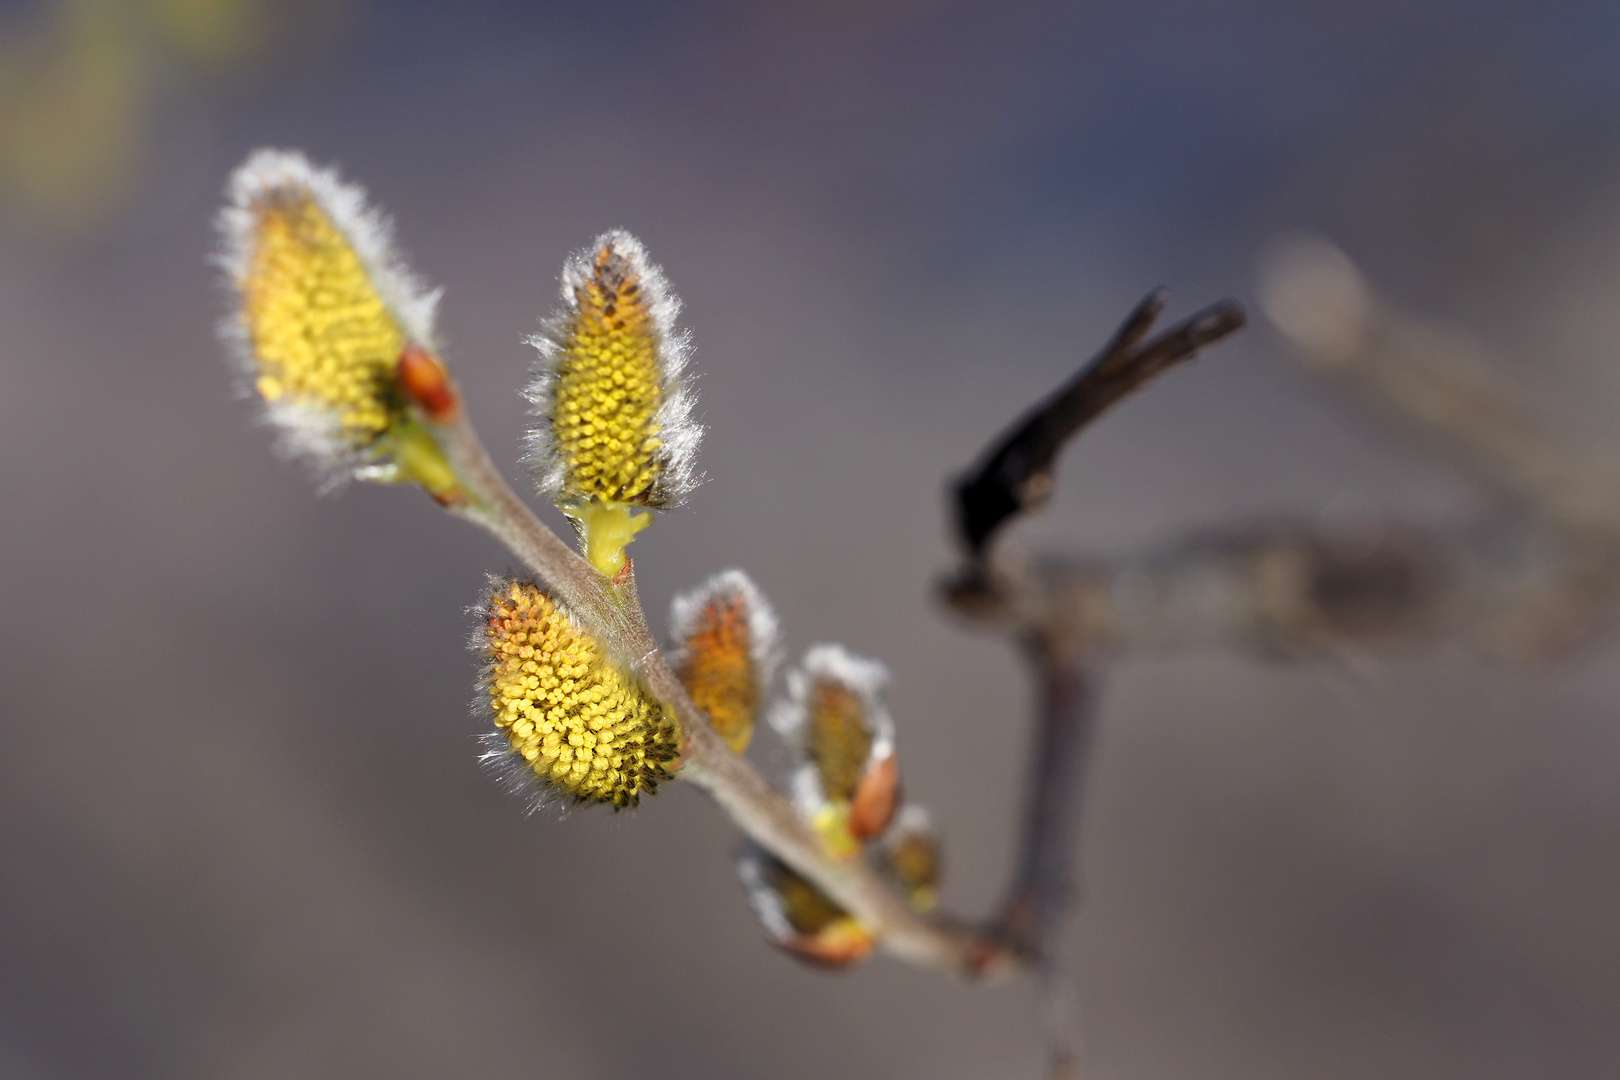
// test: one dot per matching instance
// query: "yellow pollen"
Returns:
(718, 670)
(609, 388)
(839, 741)
(578, 721)
(831, 824)
(319, 330)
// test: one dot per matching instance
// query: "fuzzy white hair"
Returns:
(912, 820)
(679, 435)
(752, 861)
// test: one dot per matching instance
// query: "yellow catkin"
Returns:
(718, 668)
(807, 909)
(319, 331)
(575, 720)
(817, 930)
(609, 387)
(838, 740)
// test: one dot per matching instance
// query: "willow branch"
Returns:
(491, 504)
(1013, 476)
(752, 803)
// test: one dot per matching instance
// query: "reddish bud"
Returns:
(838, 948)
(422, 379)
(876, 797)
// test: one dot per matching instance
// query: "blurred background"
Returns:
(243, 832)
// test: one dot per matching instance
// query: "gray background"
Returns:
(242, 829)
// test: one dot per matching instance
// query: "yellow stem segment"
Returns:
(418, 457)
(608, 529)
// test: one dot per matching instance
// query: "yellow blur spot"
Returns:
(321, 334)
(609, 388)
(577, 721)
(718, 669)
(71, 110)
(914, 861)
(831, 824)
(213, 31)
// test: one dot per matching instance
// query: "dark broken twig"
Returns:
(1015, 475)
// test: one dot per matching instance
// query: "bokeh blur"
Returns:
(243, 832)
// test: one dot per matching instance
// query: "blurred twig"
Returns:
(1540, 573)
(1438, 383)
(1036, 910)
(1032, 916)
(1510, 589)
(1013, 477)
(1536, 577)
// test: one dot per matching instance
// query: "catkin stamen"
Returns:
(838, 740)
(610, 387)
(576, 720)
(718, 669)
(319, 331)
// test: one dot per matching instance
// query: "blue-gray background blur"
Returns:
(242, 829)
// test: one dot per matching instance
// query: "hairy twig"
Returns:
(1019, 468)
(753, 804)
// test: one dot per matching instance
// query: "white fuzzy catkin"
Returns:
(678, 434)
(865, 679)
(834, 663)
(764, 631)
(305, 430)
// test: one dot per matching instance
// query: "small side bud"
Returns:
(798, 918)
(424, 381)
(574, 719)
(910, 853)
(328, 312)
(835, 717)
(615, 433)
(726, 652)
(876, 796)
